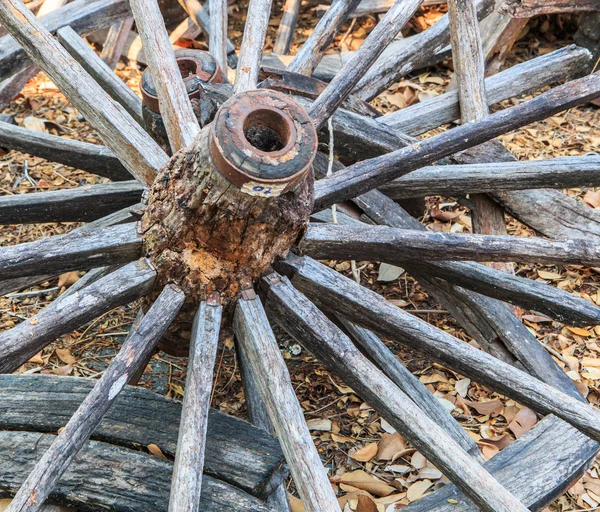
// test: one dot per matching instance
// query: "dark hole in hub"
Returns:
(266, 130)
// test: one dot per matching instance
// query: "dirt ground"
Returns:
(361, 451)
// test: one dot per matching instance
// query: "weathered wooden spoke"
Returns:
(54, 462)
(73, 251)
(529, 8)
(229, 206)
(81, 204)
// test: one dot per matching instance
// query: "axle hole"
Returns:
(266, 130)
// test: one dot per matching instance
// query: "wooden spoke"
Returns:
(311, 52)
(287, 27)
(218, 32)
(411, 56)
(516, 80)
(175, 106)
(370, 174)
(201, 18)
(530, 8)
(189, 461)
(81, 204)
(258, 416)
(391, 366)
(101, 72)
(81, 155)
(132, 145)
(382, 35)
(488, 321)
(84, 16)
(62, 316)
(381, 243)
(73, 251)
(453, 180)
(115, 41)
(275, 388)
(255, 30)
(54, 462)
(372, 311)
(48, 6)
(316, 333)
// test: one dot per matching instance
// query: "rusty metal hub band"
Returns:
(263, 142)
(195, 65)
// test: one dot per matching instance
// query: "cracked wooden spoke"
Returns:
(78, 430)
(132, 145)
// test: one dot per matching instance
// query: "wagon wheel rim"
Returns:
(114, 243)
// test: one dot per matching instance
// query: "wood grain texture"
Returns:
(530, 8)
(92, 158)
(381, 243)
(84, 16)
(370, 174)
(454, 180)
(515, 81)
(132, 145)
(188, 469)
(48, 470)
(218, 32)
(311, 328)
(272, 379)
(175, 106)
(422, 48)
(81, 204)
(255, 31)
(370, 310)
(62, 316)
(236, 452)
(391, 366)
(379, 38)
(115, 41)
(311, 52)
(136, 480)
(73, 251)
(287, 27)
(101, 72)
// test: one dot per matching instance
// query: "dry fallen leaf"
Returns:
(360, 479)
(35, 124)
(296, 504)
(523, 422)
(390, 445)
(321, 424)
(64, 354)
(492, 408)
(67, 279)
(366, 453)
(155, 450)
(415, 491)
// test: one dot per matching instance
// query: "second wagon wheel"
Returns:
(222, 238)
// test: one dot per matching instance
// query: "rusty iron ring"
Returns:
(253, 170)
(195, 66)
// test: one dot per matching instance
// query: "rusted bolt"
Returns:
(263, 142)
(195, 65)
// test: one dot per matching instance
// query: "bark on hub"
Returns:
(222, 210)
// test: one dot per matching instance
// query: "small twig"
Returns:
(28, 294)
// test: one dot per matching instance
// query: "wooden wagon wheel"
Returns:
(229, 214)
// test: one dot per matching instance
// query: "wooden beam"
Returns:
(391, 366)
(287, 27)
(379, 38)
(311, 52)
(217, 43)
(115, 41)
(81, 204)
(370, 310)
(255, 31)
(175, 106)
(275, 388)
(101, 72)
(317, 334)
(515, 81)
(73, 251)
(74, 153)
(70, 440)
(189, 461)
(63, 316)
(422, 48)
(370, 174)
(454, 180)
(530, 8)
(381, 243)
(132, 145)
